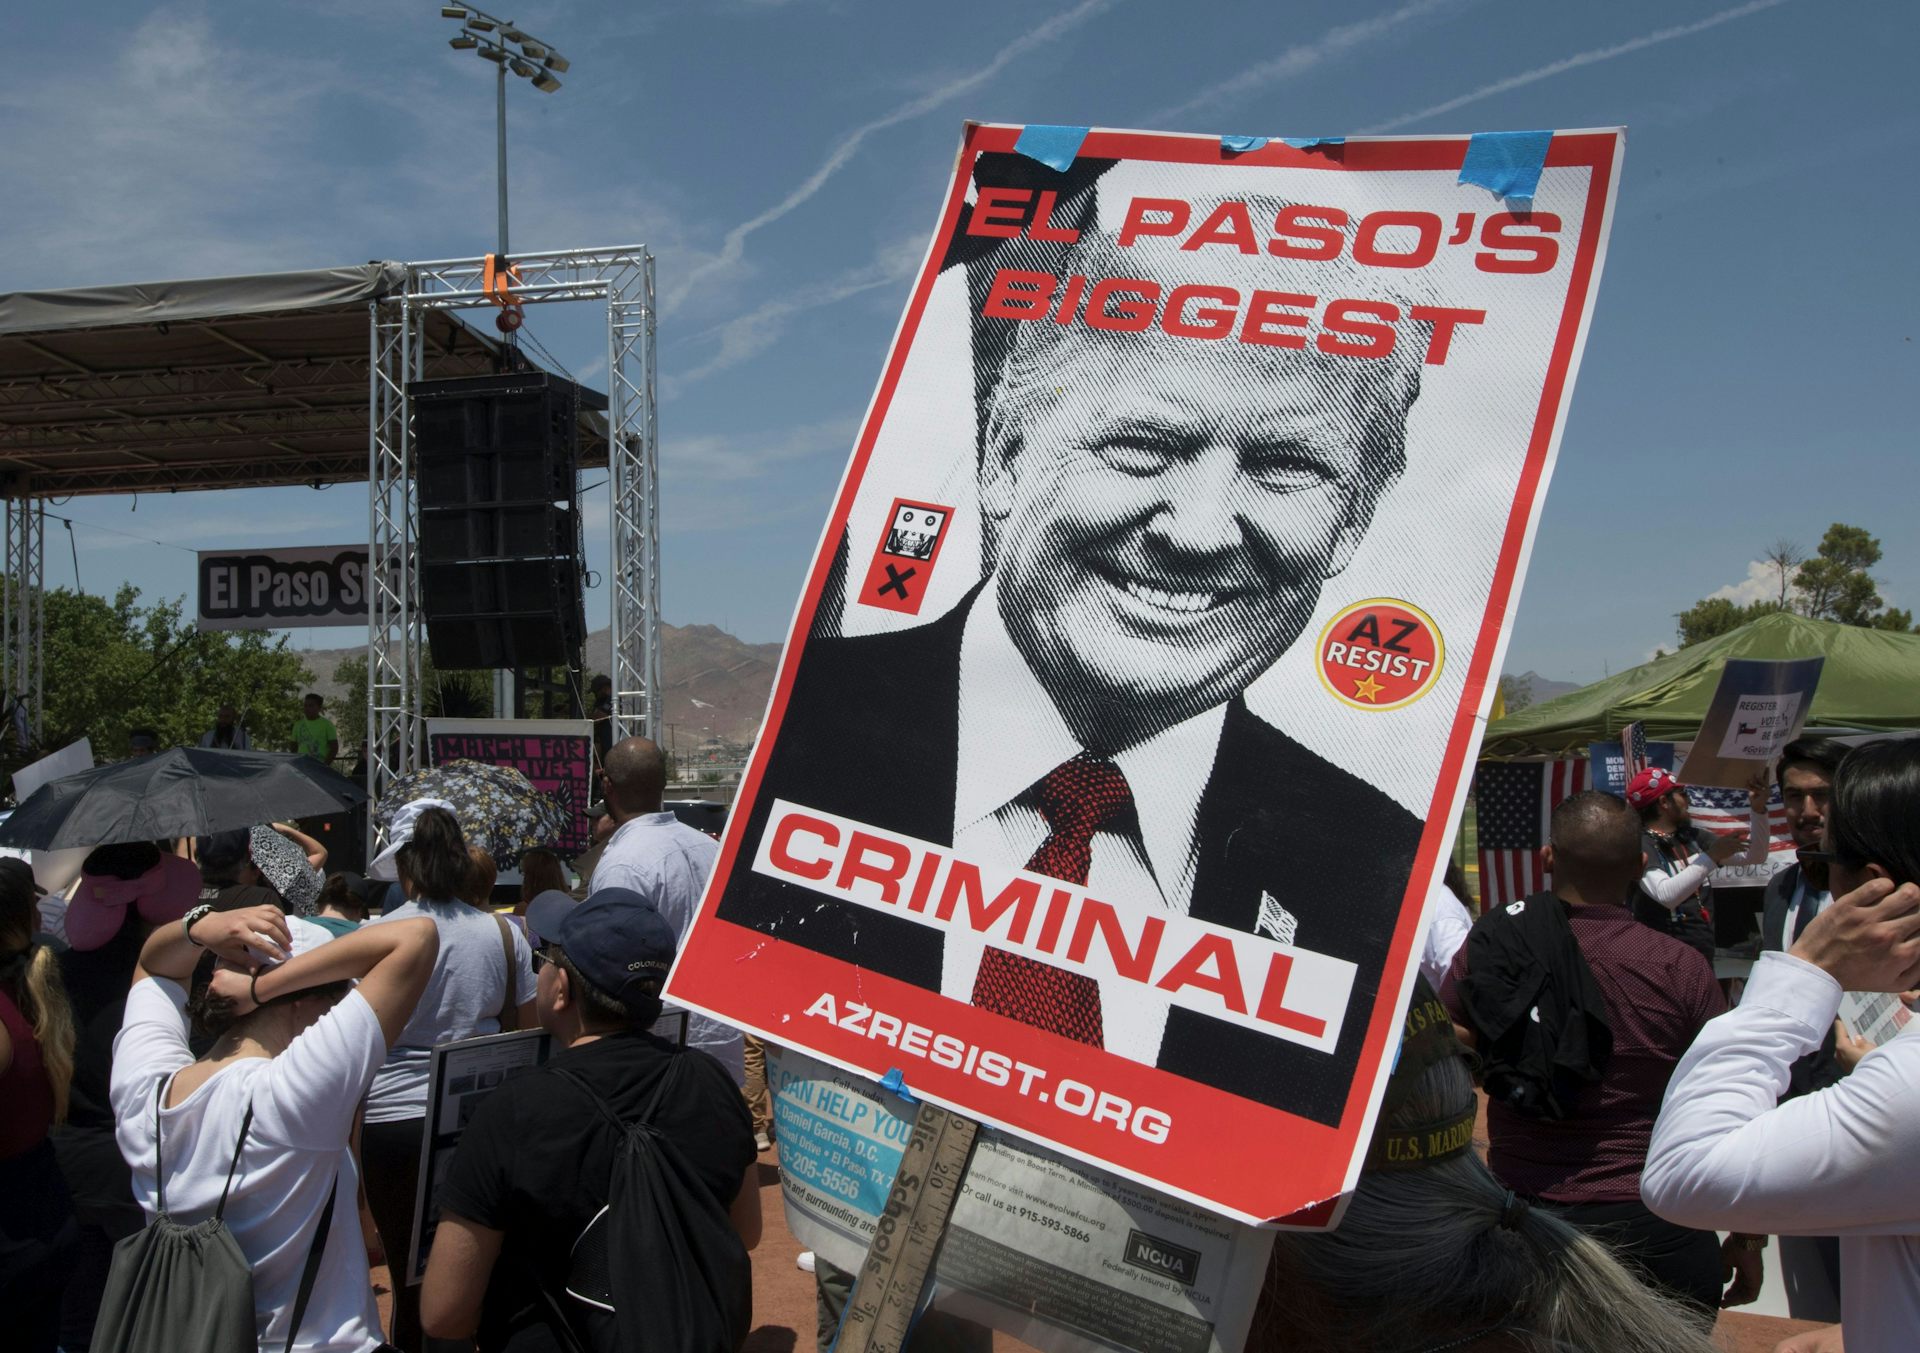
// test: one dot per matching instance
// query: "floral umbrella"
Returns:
(498, 807)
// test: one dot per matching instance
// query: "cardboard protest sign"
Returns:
(1758, 708)
(1126, 710)
(556, 754)
(1060, 1255)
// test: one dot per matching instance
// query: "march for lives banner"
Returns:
(1129, 698)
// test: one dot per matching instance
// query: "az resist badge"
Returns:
(1380, 654)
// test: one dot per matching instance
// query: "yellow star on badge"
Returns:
(1367, 689)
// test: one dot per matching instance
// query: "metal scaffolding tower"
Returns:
(23, 619)
(623, 278)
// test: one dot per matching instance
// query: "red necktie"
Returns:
(1077, 799)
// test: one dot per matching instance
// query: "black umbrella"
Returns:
(188, 791)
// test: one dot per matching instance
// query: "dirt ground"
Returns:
(784, 1313)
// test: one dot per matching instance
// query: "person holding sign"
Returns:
(1728, 1151)
(1673, 895)
(1158, 517)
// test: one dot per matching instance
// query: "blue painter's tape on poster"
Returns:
(1240, 145)
(1309, 142)
(1055, 147)
(897, 1083)
(1507, 164)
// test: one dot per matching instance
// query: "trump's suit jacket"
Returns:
(871, 732)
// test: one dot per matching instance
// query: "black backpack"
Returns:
(660, 1266)
(173, 1286)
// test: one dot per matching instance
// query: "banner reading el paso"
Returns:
(1128, 702)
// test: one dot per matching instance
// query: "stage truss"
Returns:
(623, 279)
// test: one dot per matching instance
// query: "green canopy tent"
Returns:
(1871, 682)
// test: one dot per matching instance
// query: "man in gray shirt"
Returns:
(666, 862)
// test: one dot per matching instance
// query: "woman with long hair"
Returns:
(1435, 1253)
(255, 1133)
(482, 983)
(37, 1230)
(540, 872)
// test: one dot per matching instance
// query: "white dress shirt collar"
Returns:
(1011, 736)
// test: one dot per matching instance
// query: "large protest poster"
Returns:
(1060, 1255)
(556, 754)
(1126, 709)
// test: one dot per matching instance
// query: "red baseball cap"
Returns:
(1649, 785)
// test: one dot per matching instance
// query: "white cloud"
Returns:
(1762, 583)
(1302, 57)
(733, 248)
(1587, 58)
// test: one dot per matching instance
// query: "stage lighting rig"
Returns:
(510, 48)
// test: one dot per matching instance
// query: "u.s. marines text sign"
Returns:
(1127, 705)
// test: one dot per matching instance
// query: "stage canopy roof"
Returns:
(226, 382)
(1871, 682)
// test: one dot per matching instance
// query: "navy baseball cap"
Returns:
(616, 938)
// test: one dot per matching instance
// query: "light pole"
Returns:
(534, 60)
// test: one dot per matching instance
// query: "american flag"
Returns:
(1512, 801)
(1633, 744)
(1722, 811)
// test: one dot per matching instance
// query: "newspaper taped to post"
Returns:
(1062, 1256)
(1179, 543)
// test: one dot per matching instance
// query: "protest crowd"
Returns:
(251, 1099)
(218, 1034)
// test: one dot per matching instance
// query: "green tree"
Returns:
(1712, 617)
(114, 665)
(1835, 584)
(1517, 691)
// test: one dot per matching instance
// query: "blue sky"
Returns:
(785, 162)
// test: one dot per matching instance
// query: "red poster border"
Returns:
(1229, 1143)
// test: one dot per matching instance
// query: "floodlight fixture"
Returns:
(535, 61)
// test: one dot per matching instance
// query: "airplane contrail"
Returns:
(1653, 39)
(735, 242)
(1302, 57)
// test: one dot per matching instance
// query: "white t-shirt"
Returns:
(462, 1000)
(1446, 931)
(303, 1103)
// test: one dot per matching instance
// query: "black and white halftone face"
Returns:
(1165, 525)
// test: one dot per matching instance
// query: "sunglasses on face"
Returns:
(543, 956)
